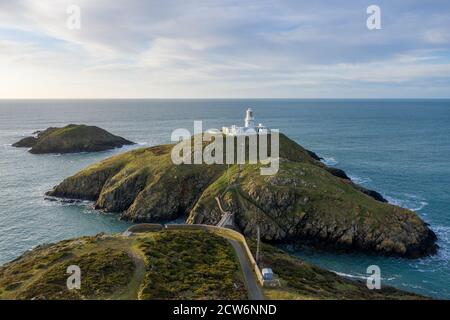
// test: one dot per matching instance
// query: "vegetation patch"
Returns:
(304, 281)
(41, 274)
(305, 202)
(191, 265)
(72, 138)
(168, 264)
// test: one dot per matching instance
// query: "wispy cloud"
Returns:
(248, 48)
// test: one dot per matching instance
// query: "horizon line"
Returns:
(202, 98)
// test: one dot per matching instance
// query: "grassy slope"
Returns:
(73, 138)
(105, 266)
(303, 281)
(191, 265)
(188, 264)
(161, 265)
(142, 183)
(303, 200)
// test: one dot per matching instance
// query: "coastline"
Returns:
(42, 221)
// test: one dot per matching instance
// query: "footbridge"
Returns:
(227, 217)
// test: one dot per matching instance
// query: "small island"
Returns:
(72, 138)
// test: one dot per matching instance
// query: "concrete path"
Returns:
(253, 287)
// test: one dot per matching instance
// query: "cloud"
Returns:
(256, 48)
(437, 36)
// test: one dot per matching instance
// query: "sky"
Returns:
(224, 49)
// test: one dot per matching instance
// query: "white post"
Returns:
(258, 237)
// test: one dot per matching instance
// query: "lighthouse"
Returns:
(249, 119)
(249, 127)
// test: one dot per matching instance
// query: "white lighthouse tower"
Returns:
(249, 127)
(249, 119)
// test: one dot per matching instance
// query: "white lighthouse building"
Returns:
(249, 126)
(249, 119)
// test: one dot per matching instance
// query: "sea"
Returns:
(400, 148)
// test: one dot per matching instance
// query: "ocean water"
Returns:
(400, 148)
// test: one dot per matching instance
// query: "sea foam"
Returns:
(329, 161)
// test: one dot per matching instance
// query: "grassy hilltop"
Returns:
(305, 201)
(160, 265)
(169, 264)
(71, 139)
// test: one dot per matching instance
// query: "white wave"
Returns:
(422, 205)
(443, 235)
(54, 201)
(143, 143)
(329, 161)
(408, 201)
(352, 276)
(443, 232)
(360, 180)
(347, 275)
(77, 153)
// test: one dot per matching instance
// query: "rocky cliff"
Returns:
(305, 202)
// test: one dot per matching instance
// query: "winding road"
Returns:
(253, 288)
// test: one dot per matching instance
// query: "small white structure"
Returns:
(213, 131)
(267, 274)
(249, 119)
(249, 127)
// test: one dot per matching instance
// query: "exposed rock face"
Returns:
(143, 184)
(371, 193)
(338, 173)
(27, 142)
(304, 202)
(72, 138)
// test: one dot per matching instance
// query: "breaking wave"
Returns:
(360, 180)
(360, 277)
(329, 161)
(407, 201)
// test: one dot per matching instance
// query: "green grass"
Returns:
(191, 265)
(305, 201)
(169, 264)
(72, 138)
(41, 274)
(302, 201)
(156, 265)
(303, 281)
